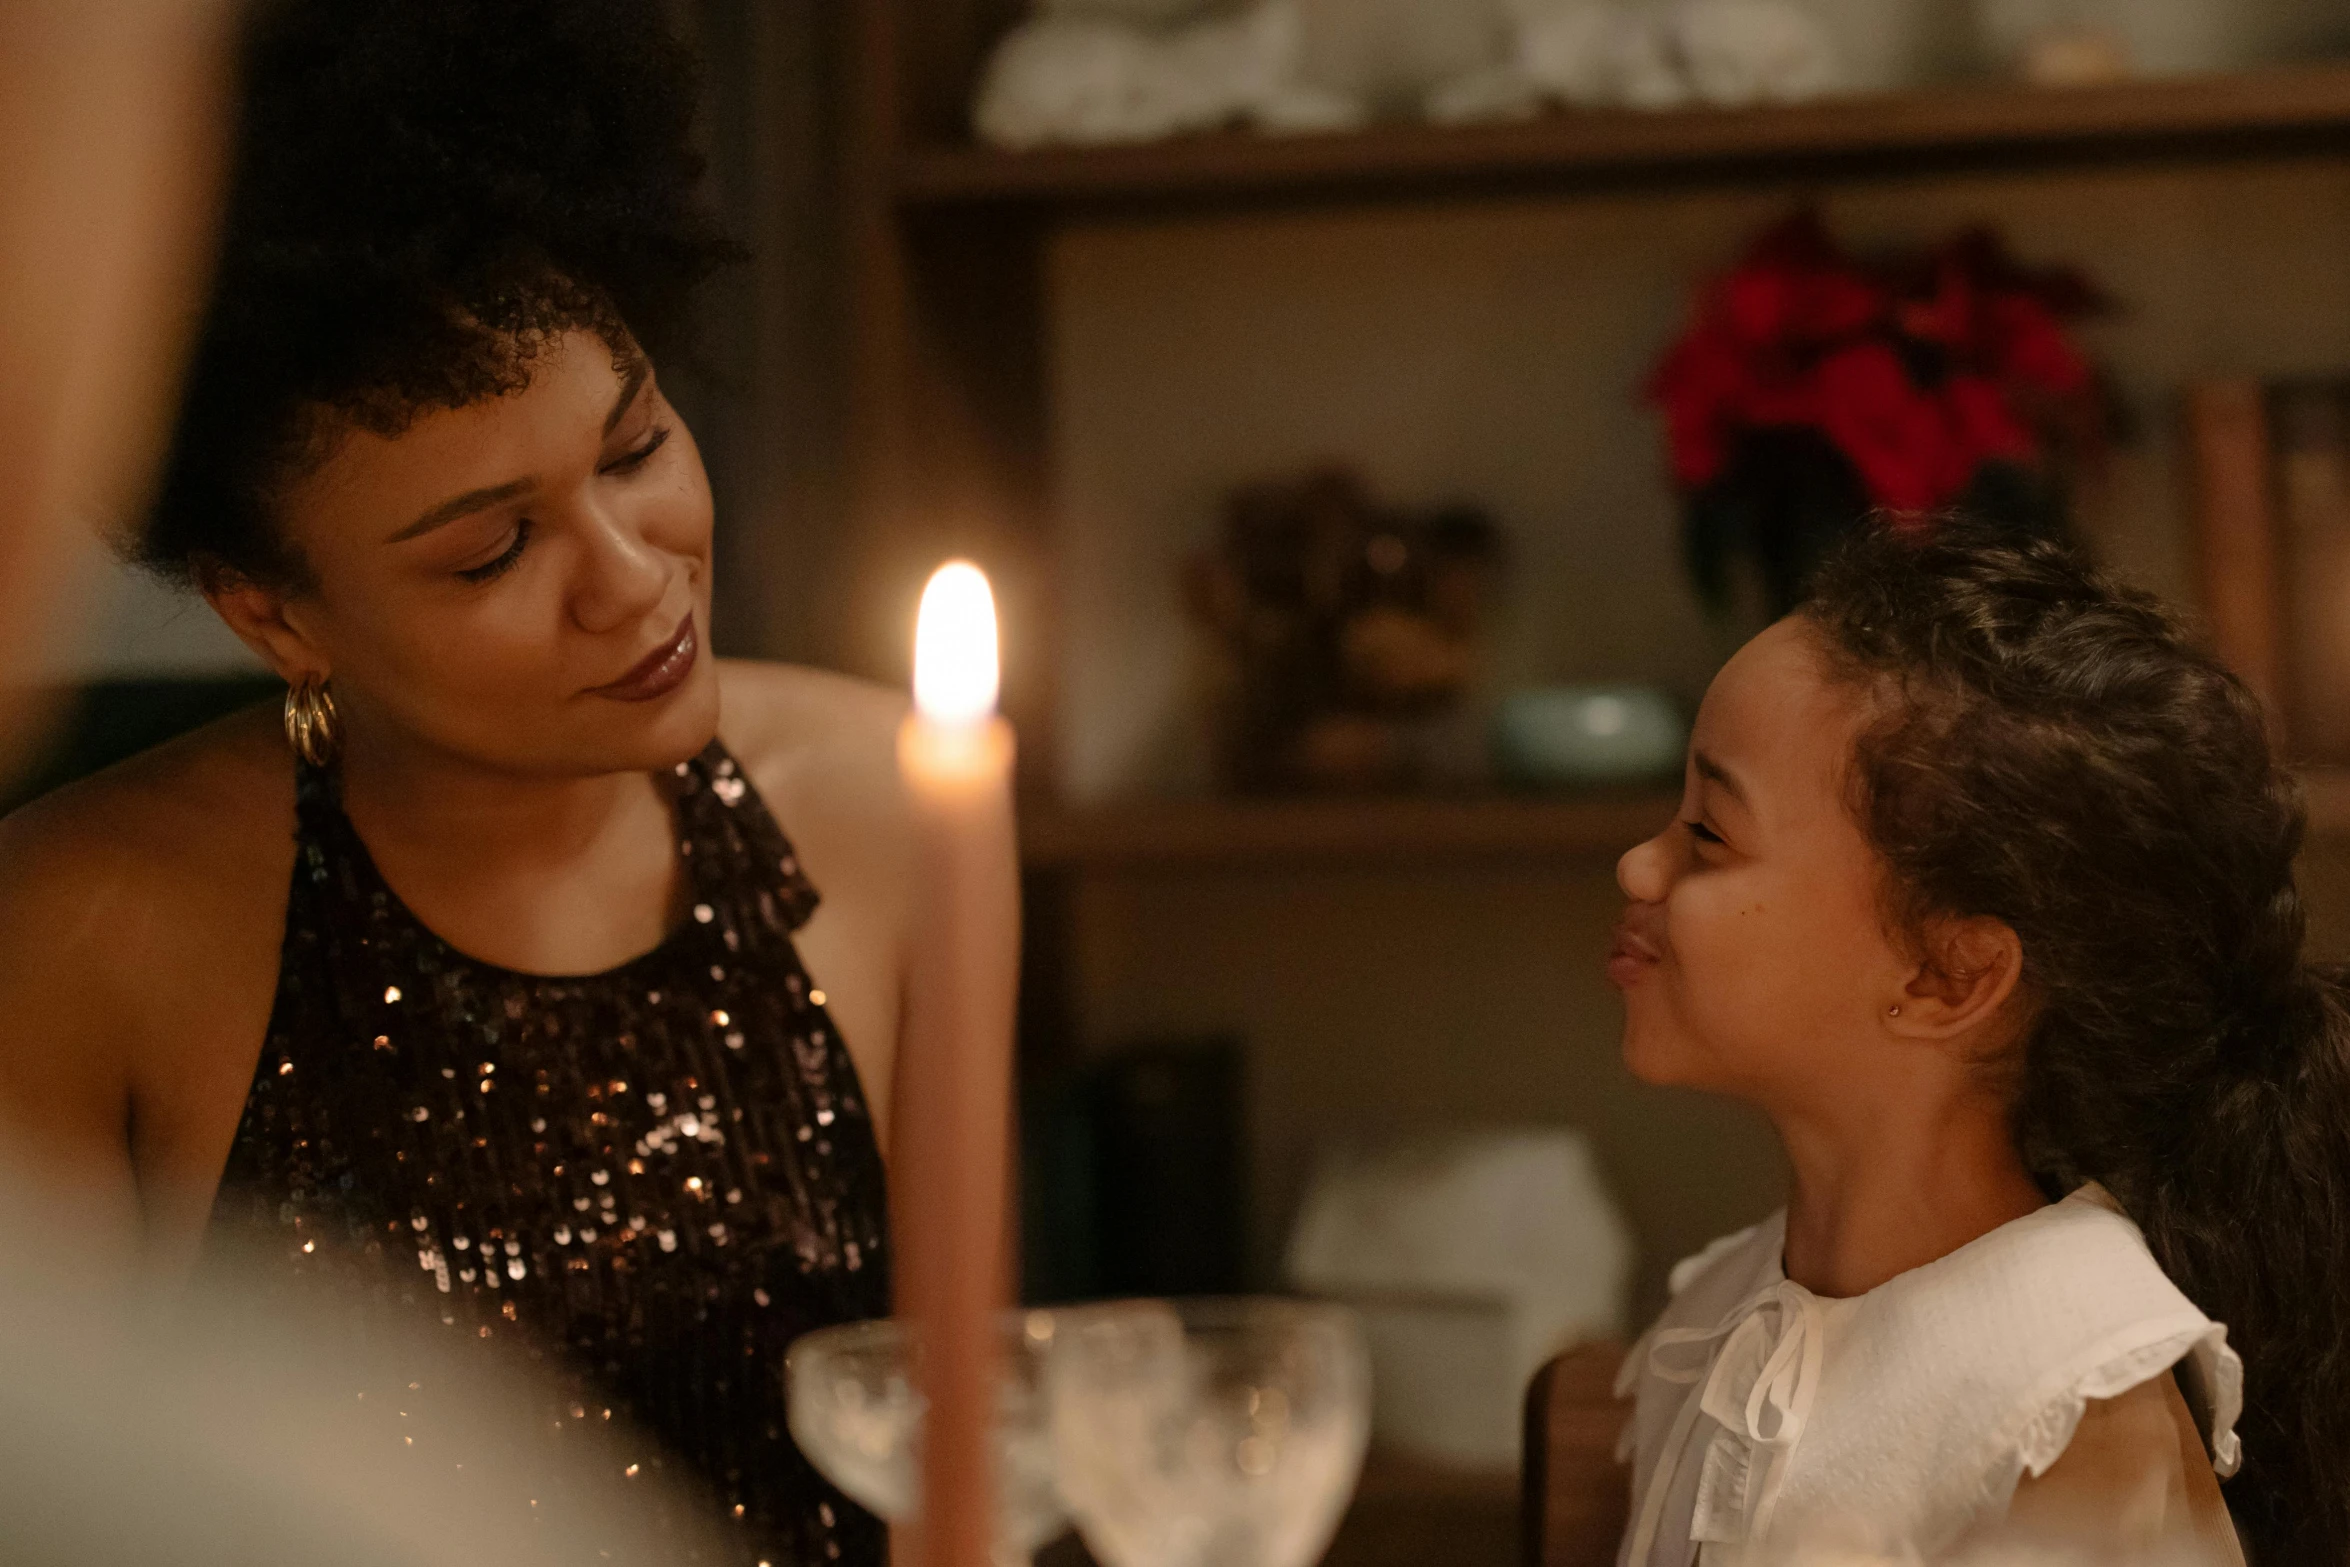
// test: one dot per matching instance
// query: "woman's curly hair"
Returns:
(2055, 751)
(425, 194)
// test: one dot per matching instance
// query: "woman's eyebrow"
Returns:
(630, 385)
(458, 506)
(472, 501)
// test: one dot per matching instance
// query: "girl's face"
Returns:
(1754, 959)
(523, 583)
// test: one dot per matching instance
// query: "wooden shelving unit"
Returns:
(2266, 114)
(2327, 791)
(1293, 834)
(1288, 834)
(945, 250)
(1409, 1510)
(948, 391)
(948, 387)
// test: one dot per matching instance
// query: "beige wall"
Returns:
(1404, 1001)
(1496, 351)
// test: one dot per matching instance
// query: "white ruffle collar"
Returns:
(1922, 1402)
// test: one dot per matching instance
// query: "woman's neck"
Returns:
(446, 809)
(545, 875)
(1879, 1189)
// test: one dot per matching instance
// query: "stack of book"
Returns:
(2272, 515)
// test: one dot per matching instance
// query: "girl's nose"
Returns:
(1646, 870)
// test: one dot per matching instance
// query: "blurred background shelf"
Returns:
(1288, 834)
(1239, 834)
(2263, 113)
(1408, 1512)
(2327, 789)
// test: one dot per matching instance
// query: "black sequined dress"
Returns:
(654, 1178)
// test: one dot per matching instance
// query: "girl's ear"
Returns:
(1969, 971)
(257, 614)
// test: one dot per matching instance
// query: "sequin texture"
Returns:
(654, 1178)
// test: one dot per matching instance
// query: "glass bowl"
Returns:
(857, 1414)
(1208, 1433)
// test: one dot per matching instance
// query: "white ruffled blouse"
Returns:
(1901, 1418)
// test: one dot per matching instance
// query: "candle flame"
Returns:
(955, 660)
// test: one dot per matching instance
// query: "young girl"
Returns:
(1982, 890)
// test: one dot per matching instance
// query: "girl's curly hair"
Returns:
(425, 193)
(2055, 751)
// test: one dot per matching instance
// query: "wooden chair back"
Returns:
(1577, 1498)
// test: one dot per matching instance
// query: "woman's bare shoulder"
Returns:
(815, 741)
(195, 829)
(141, 911)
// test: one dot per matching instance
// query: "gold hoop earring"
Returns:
(310, 722)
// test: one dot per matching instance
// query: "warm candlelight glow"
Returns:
(955, 659)
(951, 1163)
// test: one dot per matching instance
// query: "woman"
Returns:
(488, 979)
(1983, 892)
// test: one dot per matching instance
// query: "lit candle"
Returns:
(950, 1173)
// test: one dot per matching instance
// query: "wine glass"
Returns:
(857, 1414)
(1212, 1433)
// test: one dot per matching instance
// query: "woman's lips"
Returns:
(1630, 957)
(660, 672)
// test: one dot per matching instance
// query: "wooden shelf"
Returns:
(1248, 834)
(2302, 109)
(1406, 1512)
(2327, 792)
(1401, 1475)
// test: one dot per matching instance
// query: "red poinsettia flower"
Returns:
(1947, 316)
(1919, 373)
(1984, 425)
(1773, 304)
(1898, 437)
(1698, 385)
(2029, 346)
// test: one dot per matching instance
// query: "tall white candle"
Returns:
(951, 1171)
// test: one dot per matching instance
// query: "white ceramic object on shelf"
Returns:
(1891, 45)
(1448, 1381)
(1742, 52)
(1582, 53)
(1096, 72)
(1579, 736)
(1091, 80)
(1391, 56)
(1722, 53)
(1472, 1260)
(1647, 64)
(2154, 37)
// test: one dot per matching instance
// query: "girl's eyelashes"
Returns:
(490, 571)
(630, 461)
(1702, 833)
